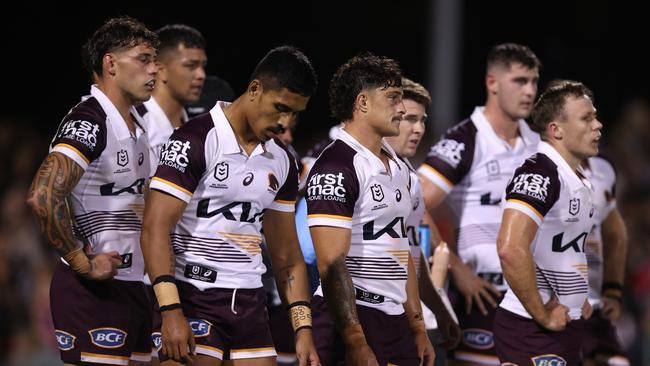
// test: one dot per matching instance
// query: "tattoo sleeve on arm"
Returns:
(340, 294)
(54, 181)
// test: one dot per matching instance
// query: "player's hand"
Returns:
(475, 289)
(556, 315)
(425, 348)
(177, 337)
(360, 355)
(103, 266)
(305, 349)
(611, 308)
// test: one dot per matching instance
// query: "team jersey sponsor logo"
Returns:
(156, 340)
(200, 273)
(248, 214)
(108, 337)
(175, 154)
(395, 229)
(450, 151)
(140, 159)
(368, 297)
(221, 171)
(574, 206)
(577, 243)
(84, 132)
(200, 327)
(398, 195)
(549, 360)
(531, 184)
(122, 158)
(478, 338)
(109, 189)
(64, 340)
(127, 260)
(326, 187)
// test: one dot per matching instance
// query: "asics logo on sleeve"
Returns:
(84, 132)
(175, 154)
(448, 150)
(326, 186)
(533, 185)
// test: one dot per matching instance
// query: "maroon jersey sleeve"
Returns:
(82, 133)
(333, 187)
(450, 159)
(534, 188)
(182, 159)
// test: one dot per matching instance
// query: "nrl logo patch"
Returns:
(574, 206)
(221, 171)
(122, 158)
(377, 192)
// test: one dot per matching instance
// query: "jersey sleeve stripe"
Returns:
(337, 217)
(329, 220)
(73, 153)
(525, 208)
(171, 188)
(436, 177)
(283, 206)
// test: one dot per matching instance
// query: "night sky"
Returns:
(598, 42)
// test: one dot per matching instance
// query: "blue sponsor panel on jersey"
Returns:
(64, 340)
(478, 338)
(108, 337)
(548, 360)
(200, 327)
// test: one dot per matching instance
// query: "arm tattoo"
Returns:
(53, 182)
(340, 294)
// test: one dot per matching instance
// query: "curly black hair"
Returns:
(362, 72)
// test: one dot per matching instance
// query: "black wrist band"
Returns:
(298, 303)
(164, 278)
(170, 307)
(303, 327)
(612, 286)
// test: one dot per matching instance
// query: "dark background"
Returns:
(601, 43)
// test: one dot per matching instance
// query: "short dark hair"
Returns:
(116, 34)
(550, 104)
(506, 54)
(173, 35)
(362, 72)
(415, 92)
(286, 67)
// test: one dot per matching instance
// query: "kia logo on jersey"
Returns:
(377, 192)
(574, 206)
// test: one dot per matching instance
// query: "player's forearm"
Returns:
(615, 244)
(428, 293)
(50, 188)
(339, 293)
(519, 270)
(412, 306)
(291, 276)
(158, 255)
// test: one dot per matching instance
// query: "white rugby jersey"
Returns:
(412, 231)
(349, 187)
(108, 201)
(602, 176)
(217, 240)
(560, 201)
(473, 165)
(158, 127)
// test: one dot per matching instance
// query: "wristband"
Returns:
(612, 286)
(300, 315)
(166, 292)
(78, 261)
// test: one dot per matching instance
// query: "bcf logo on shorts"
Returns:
(200, 327)
(548, 360)
(64, 340)
(107, 337)
(478, 338)
(156, 339)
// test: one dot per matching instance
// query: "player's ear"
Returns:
(254, 89)
(361, 102)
